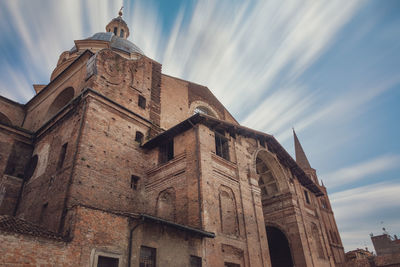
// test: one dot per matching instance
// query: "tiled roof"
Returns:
(16, 225)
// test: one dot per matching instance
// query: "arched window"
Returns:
(121, 34)
(166, 204)
(60, 101)
(4, 119)
(204, 110)
(266, 180)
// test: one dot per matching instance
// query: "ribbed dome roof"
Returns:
(115, 42)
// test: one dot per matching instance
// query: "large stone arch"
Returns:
(272, 164)
(60, 101)
(280, 246)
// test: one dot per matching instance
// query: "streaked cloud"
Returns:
(253, 55)
(362, 170)
(361, 210)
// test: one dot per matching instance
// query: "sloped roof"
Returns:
(13, 224)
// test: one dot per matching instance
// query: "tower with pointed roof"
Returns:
(325, 208)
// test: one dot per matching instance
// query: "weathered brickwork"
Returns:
(122, 162)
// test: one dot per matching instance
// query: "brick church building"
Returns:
(114, 163)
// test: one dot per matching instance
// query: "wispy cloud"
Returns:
(359, 171)
(359, 211)
(248, 51)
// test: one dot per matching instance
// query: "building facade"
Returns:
(114, 163)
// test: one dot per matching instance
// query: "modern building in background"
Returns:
(114, 163)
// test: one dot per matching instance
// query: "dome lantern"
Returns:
(118, 26)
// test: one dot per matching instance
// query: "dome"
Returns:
(115, 42)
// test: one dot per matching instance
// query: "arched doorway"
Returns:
(279, 249)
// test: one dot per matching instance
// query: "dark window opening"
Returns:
(221, 145)
(195, 261)
(62, 156)
(139, 137)
(42, 212)
(230, 264)
(30, 169)
(147, 257)
(115, 30)
(103, 261)
(262, 143)
(142, 102)
(166, 151)
(134, 182)
(121, 34)
(307, 197)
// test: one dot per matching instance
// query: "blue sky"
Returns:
(331, 69)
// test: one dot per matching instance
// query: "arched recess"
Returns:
(279, 248)
(270, 175)
(4, 119)
(166, 204)
(228, 211)
(317, 241)
(60, 101)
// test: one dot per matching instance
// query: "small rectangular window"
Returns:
(142, 102)
(166, 151)
(62, 156)
(134, 182)
(307, 197)
(115, 30)
(139, 137)
(230, 264)
(221, 145)
(103, 261)
(121, 33)
(195, 261)
(147, 257)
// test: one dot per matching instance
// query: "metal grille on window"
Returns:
(147, 257)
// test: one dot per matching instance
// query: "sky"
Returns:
(330, 69)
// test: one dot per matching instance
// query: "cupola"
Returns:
(118, 26)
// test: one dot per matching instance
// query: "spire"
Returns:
(301, 158)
